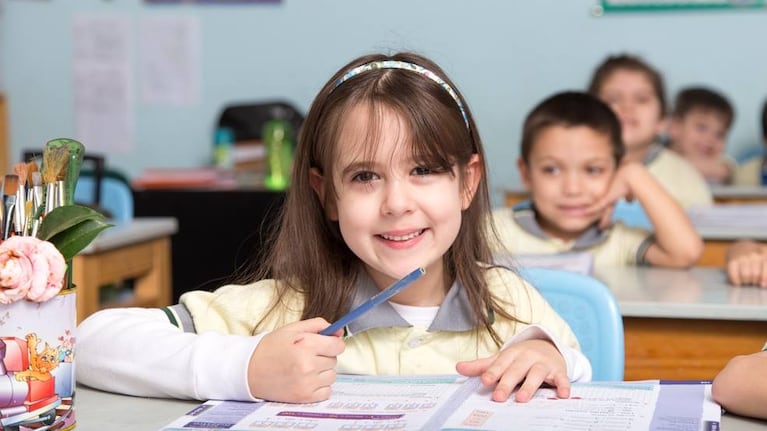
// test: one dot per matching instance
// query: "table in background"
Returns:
(99, 411)
(722, 194)
(138, 250)
(716, 241)
(684, 324)
(739, 194)
(512, 195)
(219, 230)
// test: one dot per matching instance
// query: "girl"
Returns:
(741, 386)
(388, 176)
(571, 164)
(634, 90)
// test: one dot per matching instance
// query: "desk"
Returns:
(739, 194)
(716, 240)
(722, 194)
(219, 230)
(684, 324)
(721, 225)
(99, 411)
(512, 195)
(138, 250)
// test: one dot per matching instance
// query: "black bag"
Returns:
(247, 120)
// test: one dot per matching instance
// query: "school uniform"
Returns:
(209, 340)
(520, 233)
(749, 173)
(678, 176)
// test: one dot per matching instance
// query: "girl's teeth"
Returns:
(401, 237)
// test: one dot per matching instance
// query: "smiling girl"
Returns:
(389, 176)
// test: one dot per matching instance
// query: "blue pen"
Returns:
(376, 299)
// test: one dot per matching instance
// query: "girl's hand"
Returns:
(747, 264)
(529, 363)
(294, 363)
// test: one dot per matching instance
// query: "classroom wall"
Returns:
(504, 55)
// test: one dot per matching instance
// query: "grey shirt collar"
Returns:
(653, 152)
(524, 215)
(453, 315)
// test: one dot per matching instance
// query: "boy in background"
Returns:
(571, 162)
(750, 172)
(698, 132)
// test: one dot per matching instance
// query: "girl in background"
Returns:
(388, 176)
(635, 91)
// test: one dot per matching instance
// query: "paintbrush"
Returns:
(20, 208)
(70, 171)
(37, 195)
(10, 187)
(54, 161)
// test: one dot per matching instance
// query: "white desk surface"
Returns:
(720, 191)
(132, 232)
(698, 293)
(99, 411)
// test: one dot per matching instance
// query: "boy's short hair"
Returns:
(764, 120)
(572, 109)
(702, 98)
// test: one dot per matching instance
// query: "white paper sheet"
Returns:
(169, 59)
(453, 403)
(103, 82)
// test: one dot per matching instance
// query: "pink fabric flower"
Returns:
(31, 268)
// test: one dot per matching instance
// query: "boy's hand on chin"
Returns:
(619, 188)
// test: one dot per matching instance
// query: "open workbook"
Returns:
(456, 403)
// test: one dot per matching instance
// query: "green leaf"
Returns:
(72, 240)
(64, 218)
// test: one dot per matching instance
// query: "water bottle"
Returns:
(223, 147)
(278, 143)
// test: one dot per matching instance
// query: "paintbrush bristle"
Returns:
(37, 179)
(20, 169)
(10, 185)
(54, 164)
(31, 169)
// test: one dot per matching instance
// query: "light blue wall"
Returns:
(504, 55)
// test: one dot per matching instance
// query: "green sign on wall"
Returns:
(606, 6)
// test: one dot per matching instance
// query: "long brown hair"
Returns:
(308, 253)
(614, 63)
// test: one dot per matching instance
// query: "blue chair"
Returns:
(750, 153)
(115, 195)
(631, 214)
(591, 310)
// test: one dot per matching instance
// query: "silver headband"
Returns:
(403, 65)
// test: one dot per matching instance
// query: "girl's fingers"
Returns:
(535, 377)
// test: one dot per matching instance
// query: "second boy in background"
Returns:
(750, 172)
(571, 164)
(698, 132)
(635, 91)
